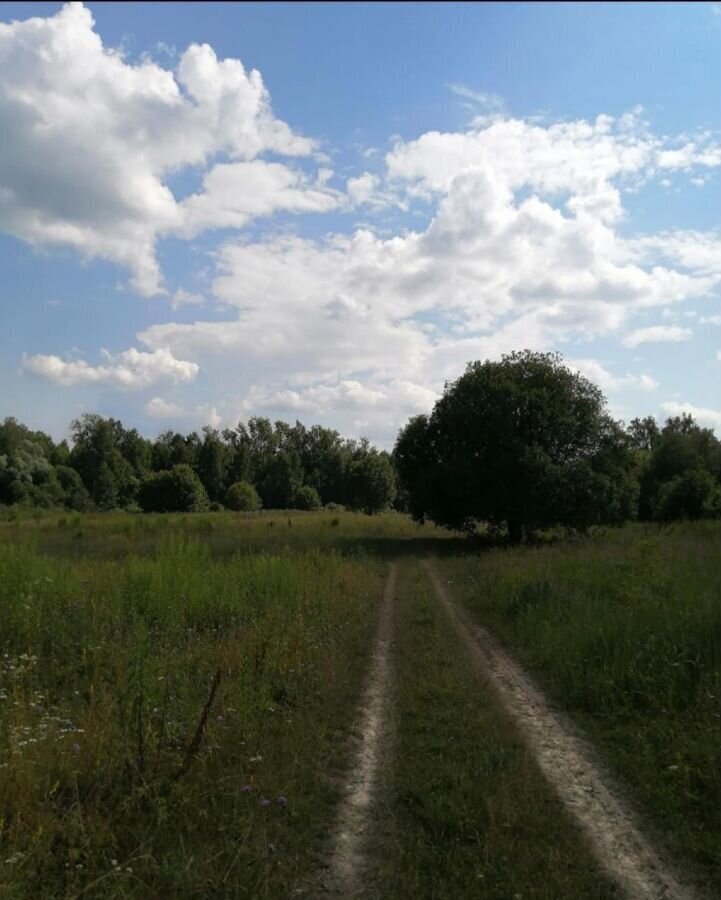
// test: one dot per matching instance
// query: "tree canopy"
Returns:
(112, 467)
(523, 443)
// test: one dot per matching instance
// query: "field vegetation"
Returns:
(623, 631)
(170, 706)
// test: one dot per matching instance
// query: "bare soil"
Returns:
(568, 764)
(345, 869)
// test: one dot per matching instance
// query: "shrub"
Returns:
(306, 497)
(176, 490)
(693, 495)
(242, 497)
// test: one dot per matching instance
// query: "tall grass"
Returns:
(166, 718)
(624, 631)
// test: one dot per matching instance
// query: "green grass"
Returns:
(116, 535)
(623, 630)
(106, 667)
(113, 628)
(468, 813)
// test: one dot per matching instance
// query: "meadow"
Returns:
(623, 631)
(172, 694)
(177, 693)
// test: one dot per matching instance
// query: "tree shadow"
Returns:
(389, 548)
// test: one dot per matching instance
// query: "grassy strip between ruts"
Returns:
(623, 632)
(467, 813)
(123, 773)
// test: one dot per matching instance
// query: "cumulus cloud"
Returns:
(204, 414)
(357, 407)
(90, 139)
(607, 381)
(522, 249)
(695, 251)
(163, 409)
(130, 369)
(181, 297)
(518, 234)
(655, 334)
(711, 418)
(235, 193)
(589, 160)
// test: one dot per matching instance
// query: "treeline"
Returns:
(527, 443)
(258, 464)
(517, 445)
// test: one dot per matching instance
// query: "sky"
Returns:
(324, 211)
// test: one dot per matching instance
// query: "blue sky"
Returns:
(324, 211)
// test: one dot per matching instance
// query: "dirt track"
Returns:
(346, 864)
(567, 763)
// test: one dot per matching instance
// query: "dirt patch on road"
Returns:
(568, 764)
(346, 867)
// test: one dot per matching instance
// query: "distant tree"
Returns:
(175, 490)
(109, 478)
(242, 497)
(681, 473)
(280, 480)
(136, 450)
(372, 485)
(74, 494)
(307, 497)
(211, 463)
(414, 462)
(174, 449)
(644, 433)
(524, 442)
(239, 458)
(693, 495)
(26, 476)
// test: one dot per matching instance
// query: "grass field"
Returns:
(623, 631)
(114, 781)
(176, 693)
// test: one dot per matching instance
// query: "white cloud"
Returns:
(710, 320)
(711, 418)
(492, 271)
(130, 369)
(158, 408)
(580, 157)
(163, 409)
(516, 240)
(357, 407)
(186, 298)
(489, 102)
(695, 251)
(235, 193)
(89, 140)
(363, 188)
(607, 381)
(656, 333)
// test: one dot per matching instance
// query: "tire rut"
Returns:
(567, 763)
(346, 863)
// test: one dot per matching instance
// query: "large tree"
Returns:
(525, 442)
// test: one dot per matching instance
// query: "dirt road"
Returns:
(347, 862)
(568, 764)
